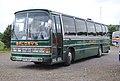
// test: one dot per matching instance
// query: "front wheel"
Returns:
(99, 52)
(37, 63)
(68, 58)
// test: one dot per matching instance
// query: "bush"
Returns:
(1, 45)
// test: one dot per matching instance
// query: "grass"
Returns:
(4, 52)
(2, 49)
(1, 45)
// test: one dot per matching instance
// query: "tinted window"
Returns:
(98, 29)
(81, 27)
(69, 26)
(91, 28)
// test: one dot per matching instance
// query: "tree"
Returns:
(6, 39)
(112, 28)
(1, 35)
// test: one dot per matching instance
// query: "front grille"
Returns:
(26, 56)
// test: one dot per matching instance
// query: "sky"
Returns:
(104, 11)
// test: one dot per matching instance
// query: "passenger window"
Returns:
(91, 28)
(98, 29)
(81, 27)
(68, 25)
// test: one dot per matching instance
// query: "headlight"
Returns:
(36, 50)
(19, 50)
(14, 50)
(24, 50)
(41, 50)
(31, 50)
(47, 50)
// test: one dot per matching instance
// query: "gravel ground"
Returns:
(106, 68)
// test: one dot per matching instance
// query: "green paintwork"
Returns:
(40, 43)
(84, 48)
(32, 55)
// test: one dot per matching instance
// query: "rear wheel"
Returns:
(68, 57)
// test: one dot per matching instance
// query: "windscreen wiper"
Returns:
(16, 36)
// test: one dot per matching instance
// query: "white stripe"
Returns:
(29, 46)
(79, 44)
(30, 53)
(84, 38)
(83, 49)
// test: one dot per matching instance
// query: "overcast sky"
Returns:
(105, 11)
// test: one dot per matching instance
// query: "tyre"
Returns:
(37, 63)
(99, 52)
(69, 57)
(107, 51)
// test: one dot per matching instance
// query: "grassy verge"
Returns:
(5, 50)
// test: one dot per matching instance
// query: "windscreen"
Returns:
(31, 26)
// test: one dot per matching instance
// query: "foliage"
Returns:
(1, 35)
(1, 45)
(7, 36)
(112, 28)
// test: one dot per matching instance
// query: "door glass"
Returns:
(56, 35)
(59, 34)
(54, 39)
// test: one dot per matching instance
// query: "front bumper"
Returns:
(30, 59)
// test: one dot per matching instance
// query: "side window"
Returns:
(80, 27)
(98, 29)
(103, 30)
(69, 26)
(91, 28)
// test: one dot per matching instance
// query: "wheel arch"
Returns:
(73, 52)
(101, 46)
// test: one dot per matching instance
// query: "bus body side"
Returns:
(83, 43)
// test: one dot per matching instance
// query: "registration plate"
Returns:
(26, 59)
